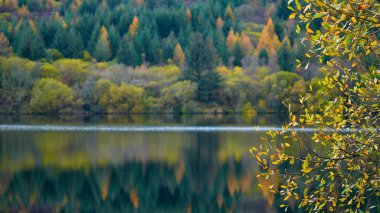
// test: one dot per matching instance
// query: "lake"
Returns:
(120, 163)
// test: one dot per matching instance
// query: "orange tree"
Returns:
(334, 167)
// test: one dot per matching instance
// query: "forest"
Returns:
(136, 56)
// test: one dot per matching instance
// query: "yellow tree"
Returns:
(268, 39)
(219, 22)
(134, 26)
(229, 13)
(232, 39)
(246, 43)
(188, 14)
(337, 168)
(24, 11)
(179, 55)
(5, 49)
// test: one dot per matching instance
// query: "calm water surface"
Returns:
(131, 163)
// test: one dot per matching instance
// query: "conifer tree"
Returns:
(285, 56)
(201, 60)
(246, 43)
(188, 14)
(178, 55)
(5, 49)
(268, 39)
(102, 49)
(238, 54)
(134, 26)
(127, 53)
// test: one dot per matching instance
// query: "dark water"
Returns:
(124, 170)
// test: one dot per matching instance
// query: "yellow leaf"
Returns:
(298, 5)
(309, 30)
(292, 16)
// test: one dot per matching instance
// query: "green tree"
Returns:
(50, 96)
(337, 168)
(29, 42)
(237, 54)
(102, 50)
(285, 56)
(201, 60)
(127, 53)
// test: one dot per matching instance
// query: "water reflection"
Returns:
(130, 171)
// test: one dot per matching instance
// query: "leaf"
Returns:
(292, 16)
(298, 5)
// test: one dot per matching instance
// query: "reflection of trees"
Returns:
(199, 182)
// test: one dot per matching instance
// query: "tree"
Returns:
(179, 96)
(127, 53)
(337, 168)
(285, 56)
(201, 60)
(237, 54)
(5, 49)
(50, 96)
(178, 55)
(102, 48)
(134, 26)
(29, 42)
(246, 43)
(268, 39)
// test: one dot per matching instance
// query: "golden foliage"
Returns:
(268, 39)
(178, 55)
(246, 43)
(134, 198)
(188, 14)
(229, 14)
(5, 49)
(219, 22)
(134, 26)
(24, 11)
(231, 40)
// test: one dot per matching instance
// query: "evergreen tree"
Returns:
(102, 49)
(29, 43)
(220, 45)
(201, 61)
(238, 54)
(114, 38)
(285, 56)
(127, 53)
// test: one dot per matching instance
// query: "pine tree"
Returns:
(102, 49)
(201, 60)
(29, 43)
(238, 54)
(220, 45)
(127, 53)
(285, 56)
